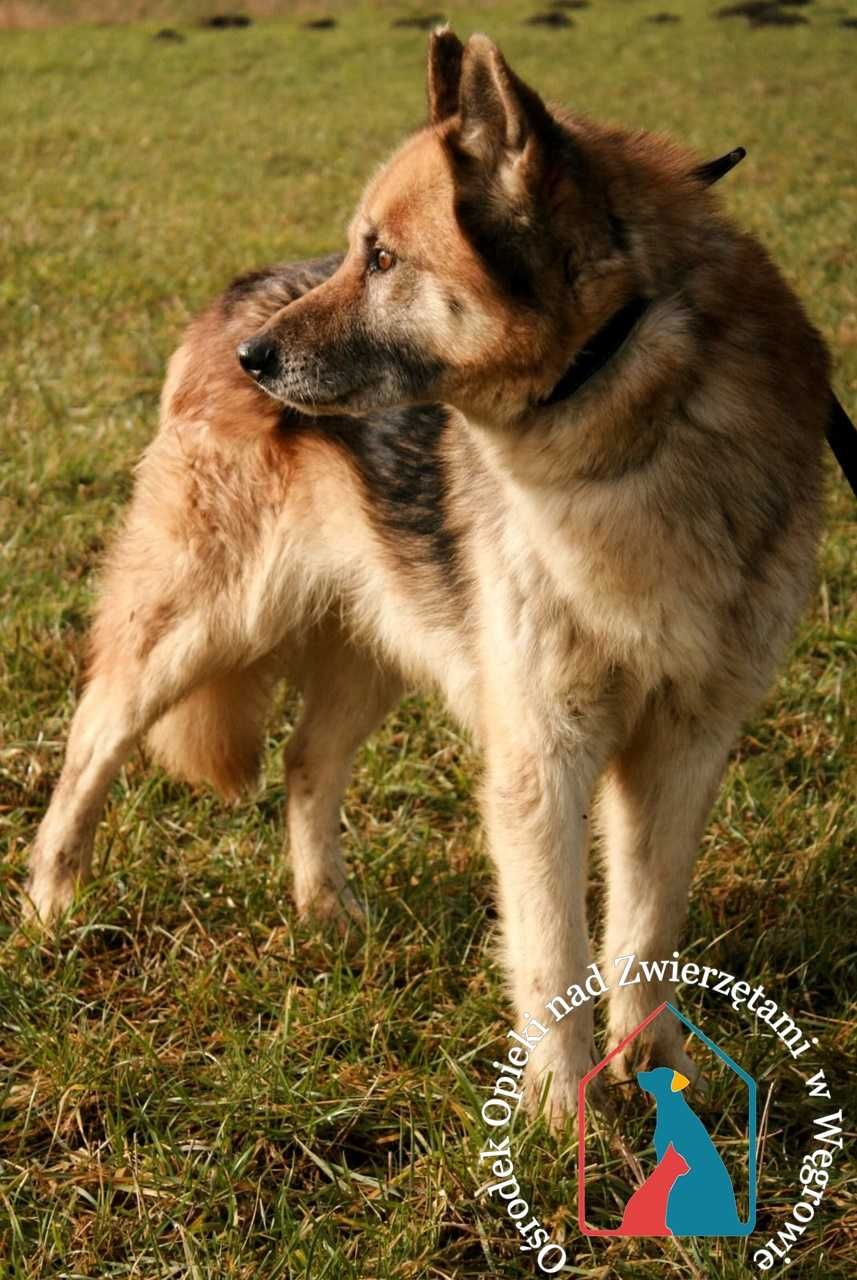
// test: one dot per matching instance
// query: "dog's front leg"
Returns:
(653, 809)
(536, 810)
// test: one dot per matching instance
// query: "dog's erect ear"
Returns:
(501, 117)
(444, 74)
(497, 145)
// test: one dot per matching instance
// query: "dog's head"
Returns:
(493, 244)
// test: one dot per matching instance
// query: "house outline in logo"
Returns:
(679, 1165)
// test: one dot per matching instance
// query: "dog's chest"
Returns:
(600, 571)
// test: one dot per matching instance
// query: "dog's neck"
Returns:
(600, 348)
(599, 429)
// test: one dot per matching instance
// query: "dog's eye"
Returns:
(381, 260)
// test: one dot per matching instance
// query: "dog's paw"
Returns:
(552, 1087)
(329, 905)
(46, 898)
(646, 1052)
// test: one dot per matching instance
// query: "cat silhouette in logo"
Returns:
(702, 1201)
(645, 1212)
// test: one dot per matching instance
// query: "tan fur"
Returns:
(630, 562)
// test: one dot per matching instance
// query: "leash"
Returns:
(842, 438)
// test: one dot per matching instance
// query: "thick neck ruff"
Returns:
(600, 348)
(603, 345)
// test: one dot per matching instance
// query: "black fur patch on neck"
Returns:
(397, 456)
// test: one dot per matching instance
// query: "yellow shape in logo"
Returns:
(679, 1082)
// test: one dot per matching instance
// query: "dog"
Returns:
(702, 1201)
(548, 437)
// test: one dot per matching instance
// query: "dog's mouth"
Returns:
(310, 405)
(352, 402)
(360, 375)
(287, 380)
(322, 408)
(293, 382)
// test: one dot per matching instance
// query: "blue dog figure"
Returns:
(702, 1201)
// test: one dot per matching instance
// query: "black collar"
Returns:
(599, 349)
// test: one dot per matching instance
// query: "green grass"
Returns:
(192, 1083)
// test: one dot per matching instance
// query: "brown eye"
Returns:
(381, 260)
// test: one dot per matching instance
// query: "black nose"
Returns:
(258, 357)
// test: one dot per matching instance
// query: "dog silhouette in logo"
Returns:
(701, 1202)
(646, 1212)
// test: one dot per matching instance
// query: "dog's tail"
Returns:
(216, 734)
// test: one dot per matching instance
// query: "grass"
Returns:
(192, 1083)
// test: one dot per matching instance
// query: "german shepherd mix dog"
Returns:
(549, 437)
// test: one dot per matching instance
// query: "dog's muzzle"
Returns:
(258, 357)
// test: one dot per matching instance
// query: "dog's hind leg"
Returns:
(148, 653)
(346, 694)
(653, 808)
